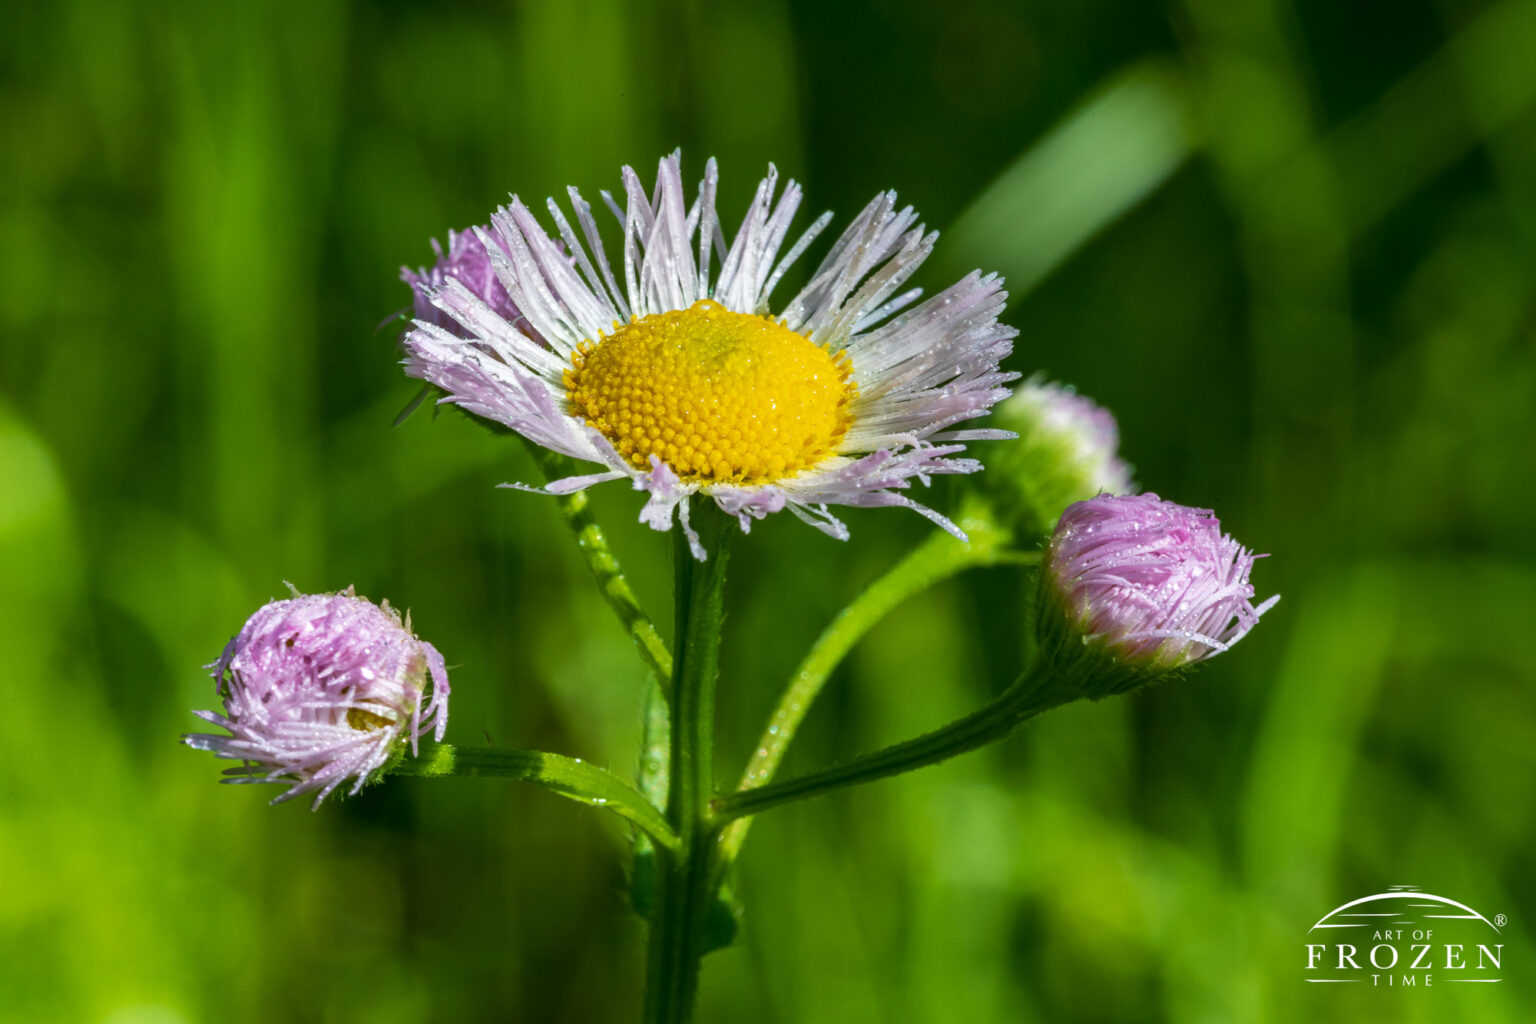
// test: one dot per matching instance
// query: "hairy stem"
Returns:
(574, 509)
(1028, 697)
(684, 895)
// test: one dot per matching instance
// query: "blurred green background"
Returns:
(1289, 244)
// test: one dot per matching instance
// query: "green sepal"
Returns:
(1082, 662)
(1034, 478)
(722, 921)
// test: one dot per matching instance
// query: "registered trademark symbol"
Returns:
(1500, 920)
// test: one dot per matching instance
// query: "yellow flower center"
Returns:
(720, 397)
(367, 721)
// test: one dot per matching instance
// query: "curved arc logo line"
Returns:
(1414, 894)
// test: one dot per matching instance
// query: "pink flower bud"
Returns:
(1151, 584)
(323, 688)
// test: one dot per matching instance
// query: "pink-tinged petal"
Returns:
(467, 261)
(666, 492)
(749, 503)
(570, 484)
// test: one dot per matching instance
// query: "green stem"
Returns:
(1027, 697)
(651, 780)
(570, 777)
(684, 895)
(937, 558)
(606, 569)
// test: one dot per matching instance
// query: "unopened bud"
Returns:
(1134, 587)
(323, 688)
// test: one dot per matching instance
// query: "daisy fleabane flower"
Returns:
(1134, 586)
(323, 688)
(676, 373)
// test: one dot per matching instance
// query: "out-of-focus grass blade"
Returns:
(38, 588)
(1363, 640)
(1474, 87)
(1105, 157)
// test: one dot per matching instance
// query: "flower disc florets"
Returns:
(671, 368)
(716, 395)
(1135, 586)
(323, 688)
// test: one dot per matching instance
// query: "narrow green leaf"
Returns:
(571, 777)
